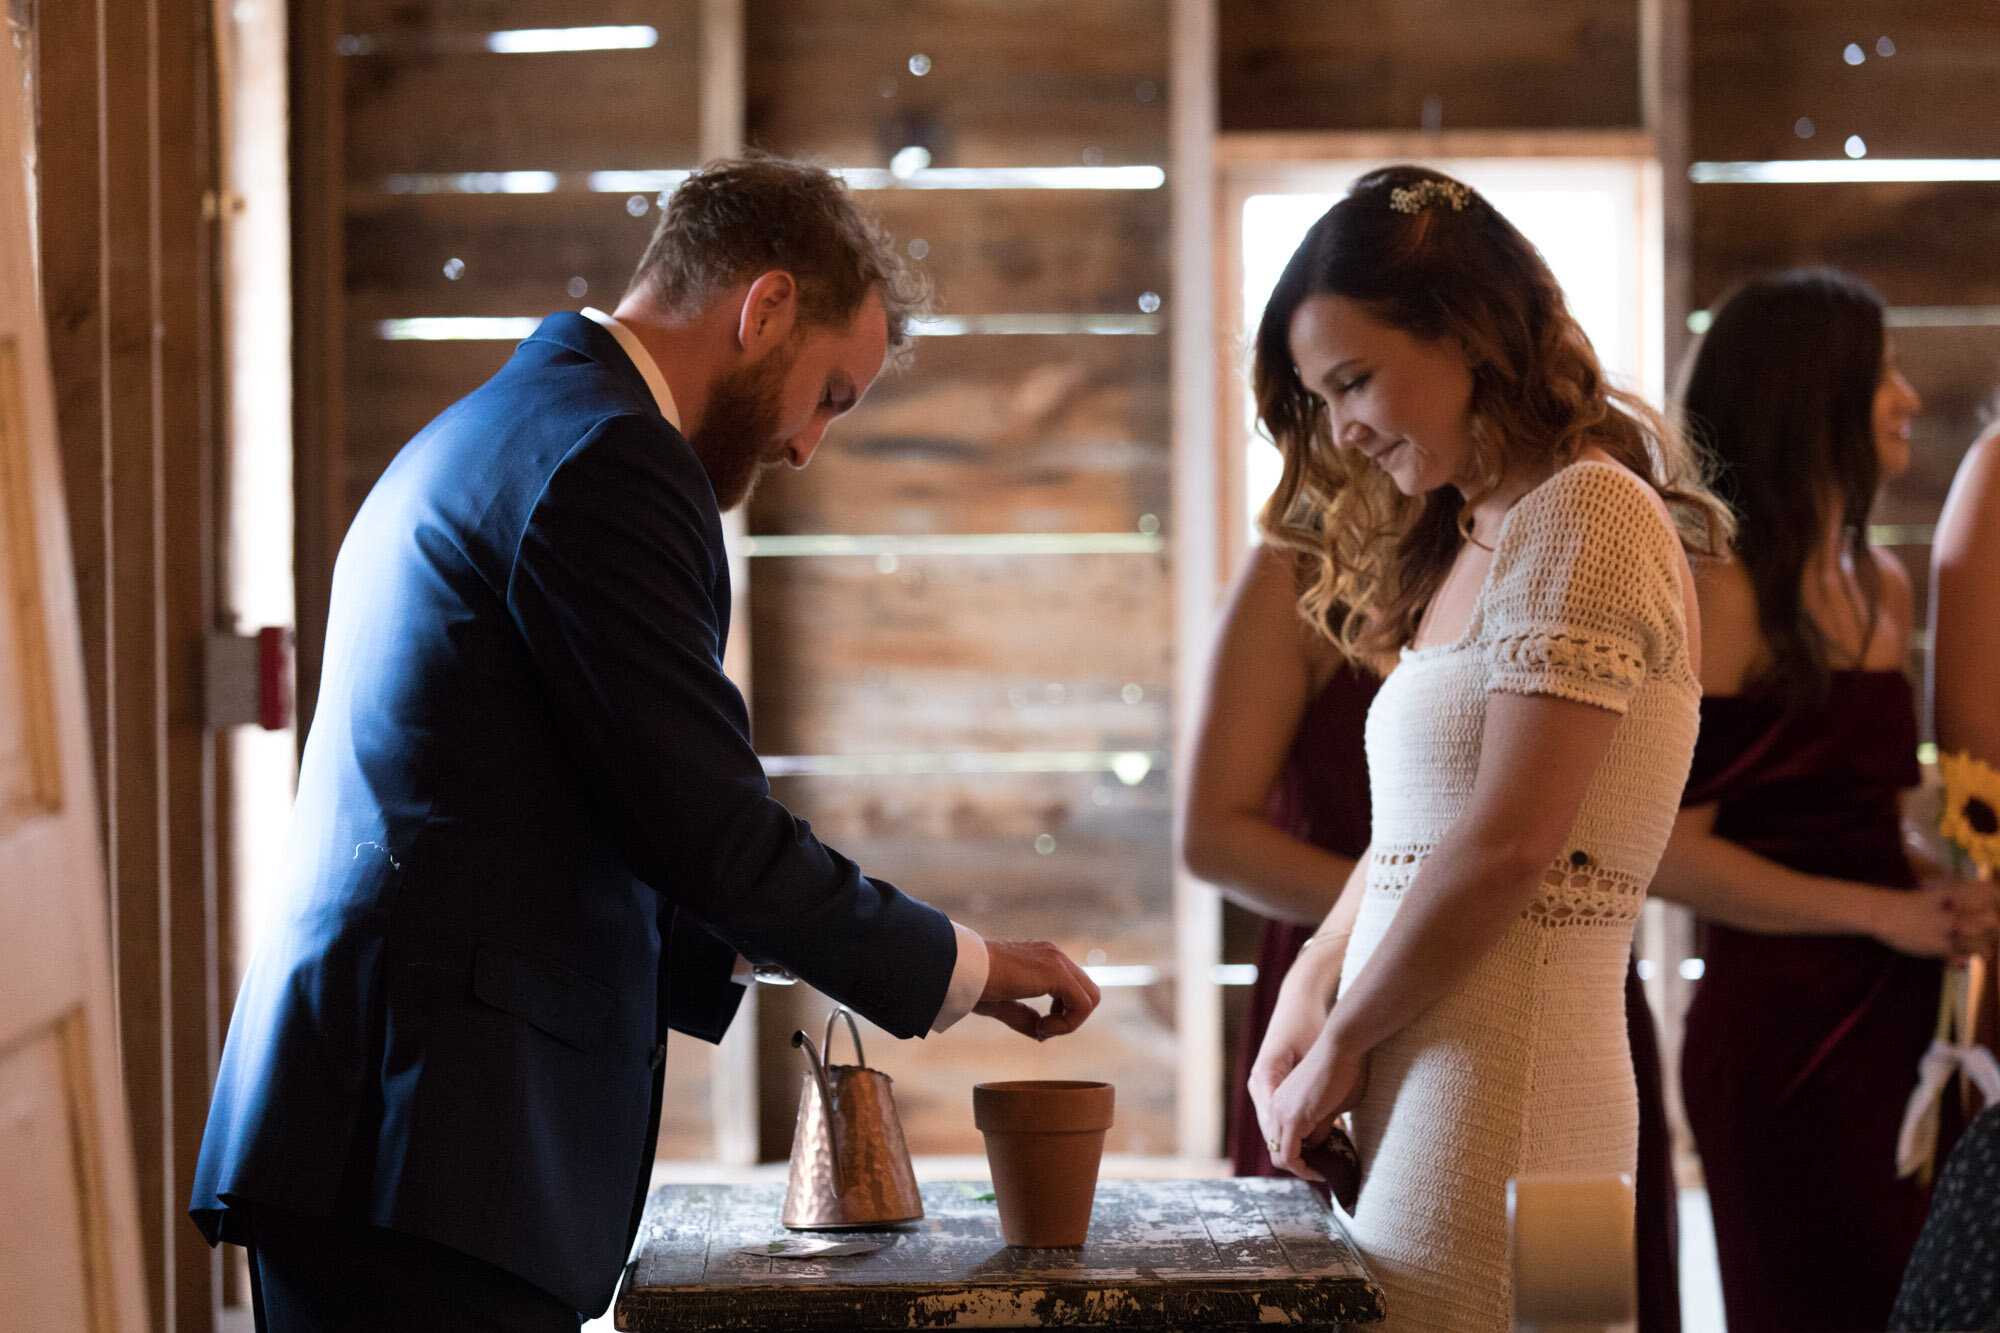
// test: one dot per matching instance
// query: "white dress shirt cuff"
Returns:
(968, 979)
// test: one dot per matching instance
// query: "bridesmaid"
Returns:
(1277, 812)
(1822, 940)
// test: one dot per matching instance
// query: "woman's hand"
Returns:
(1975, 909)
(1326, 1081)
(1944, 918)
(1296, 1023)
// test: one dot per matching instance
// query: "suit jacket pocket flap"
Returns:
(558, 999)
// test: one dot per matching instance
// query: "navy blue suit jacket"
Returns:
(530, 835)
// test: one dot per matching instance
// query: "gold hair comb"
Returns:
(1416, 198)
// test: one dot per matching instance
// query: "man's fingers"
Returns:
(1072, 988)
(1060, 1021)
(1014, 1014)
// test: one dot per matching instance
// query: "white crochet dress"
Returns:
(1524, 1066)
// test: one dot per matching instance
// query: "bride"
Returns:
(1509, 533)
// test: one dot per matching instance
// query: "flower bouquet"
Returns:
(1970, 824)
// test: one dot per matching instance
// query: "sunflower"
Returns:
(1971, 816)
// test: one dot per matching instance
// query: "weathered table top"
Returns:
(1162, 1254)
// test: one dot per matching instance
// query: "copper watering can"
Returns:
(850, 1165)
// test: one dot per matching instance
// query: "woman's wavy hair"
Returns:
(1370, 558)
(1781, 392)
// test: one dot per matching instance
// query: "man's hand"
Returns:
(1018, 970)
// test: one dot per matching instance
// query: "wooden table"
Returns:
(1162, 1255)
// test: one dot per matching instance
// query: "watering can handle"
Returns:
(842, 1011)
(818, 1068)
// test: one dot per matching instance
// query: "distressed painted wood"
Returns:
(1180, 1254)
(1511, 64)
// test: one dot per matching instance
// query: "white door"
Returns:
(69, 1236)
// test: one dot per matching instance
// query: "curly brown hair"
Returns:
(1370, 558)
(739, 217)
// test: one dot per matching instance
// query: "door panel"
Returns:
(69, 1236)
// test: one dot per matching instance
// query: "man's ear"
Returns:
(769, 314)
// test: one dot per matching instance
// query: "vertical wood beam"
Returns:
(1669, 935)
(722, 106)
(732, 1089)
(1197, 532)
(1663, 92)
(319, 360)
(72, 276)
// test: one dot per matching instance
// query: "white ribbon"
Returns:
(1916, 1143)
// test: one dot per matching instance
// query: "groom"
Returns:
(531, 834)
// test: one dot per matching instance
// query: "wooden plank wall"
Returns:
(990, 658)
(127, 163)
(1757, 69)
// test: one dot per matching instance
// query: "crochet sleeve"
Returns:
(1585, 599)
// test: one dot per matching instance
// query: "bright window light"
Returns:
(637, 182)
(471, 182)
(520, 41)
(1107, 976)
(1584, 216)
(907, 765)
(955, 544)
(458, 328)
(1003, 178)
(955, 326)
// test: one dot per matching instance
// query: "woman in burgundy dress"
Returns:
(1277, 811)
(1822, 940)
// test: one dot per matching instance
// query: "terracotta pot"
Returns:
(1044, 1138)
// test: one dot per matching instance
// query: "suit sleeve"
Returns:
(615, 588)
